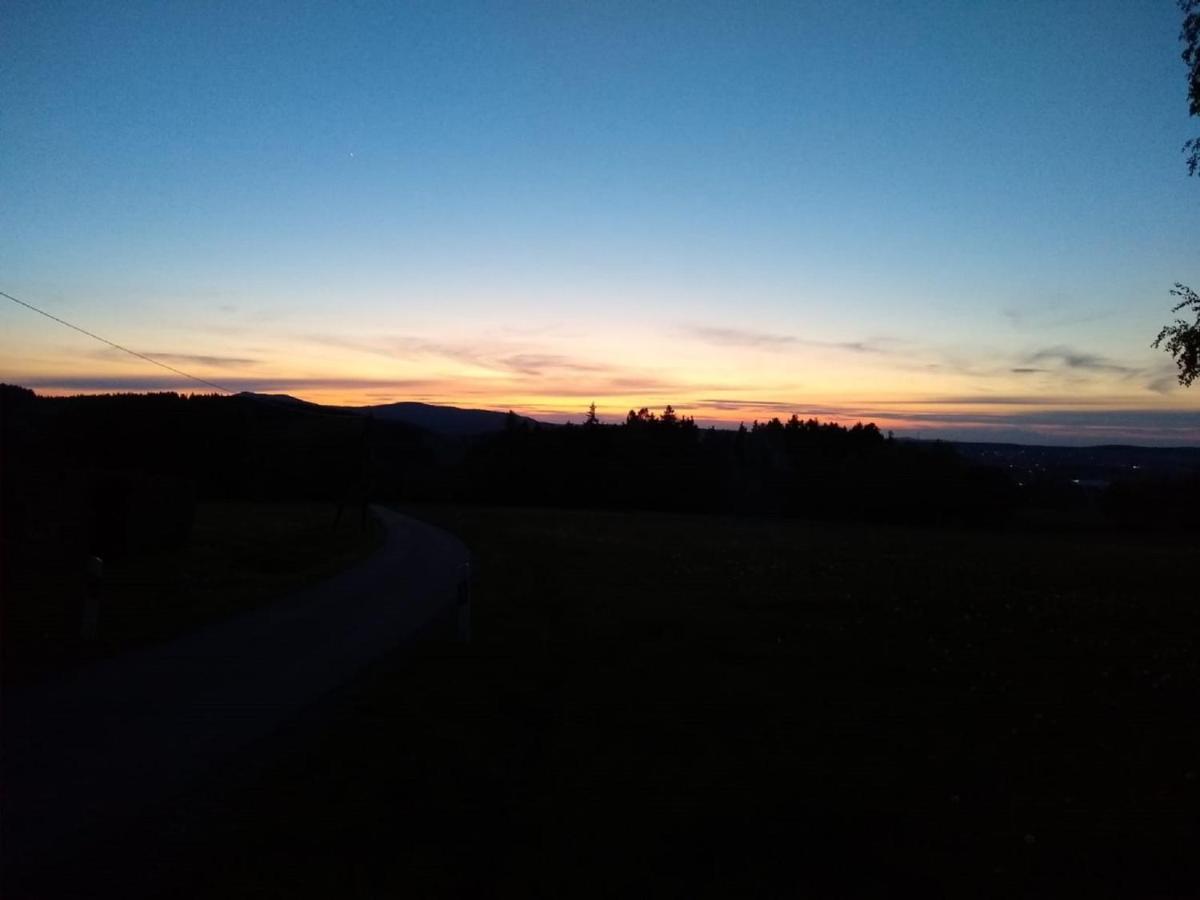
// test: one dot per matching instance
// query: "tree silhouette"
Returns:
(1190, 35)
(1182, 340)
(640, 418)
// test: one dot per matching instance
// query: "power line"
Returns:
(115, 345)
(301, 406)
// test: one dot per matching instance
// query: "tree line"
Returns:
(664, 461)
(121, 474)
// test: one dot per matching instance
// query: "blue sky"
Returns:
(865, 207)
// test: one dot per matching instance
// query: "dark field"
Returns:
(240, 554)
(664, 705)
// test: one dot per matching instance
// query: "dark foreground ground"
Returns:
(88, 753)
(239, 555)
(680, 706)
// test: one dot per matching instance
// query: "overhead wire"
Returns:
(115, 345)
(302, 406)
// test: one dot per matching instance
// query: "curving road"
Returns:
(106, 741)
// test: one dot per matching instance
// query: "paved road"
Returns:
(109, 740)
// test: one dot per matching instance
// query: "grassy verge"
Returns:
(240, 555)
(676, 706)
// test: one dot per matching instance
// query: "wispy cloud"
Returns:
(734, 405)
(1164, 379)
(486, 355)
(1162, 384)
(1031, 400)
(204, 360)
(122, 383)
(1044, 318)
(1076, 359)
(856, 346)
(183, 359)
(567, 388)
(736, 337)
(539, 363)
(1066, 365)
(739, 337)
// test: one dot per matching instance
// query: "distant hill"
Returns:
(450, 420)
(276, 398)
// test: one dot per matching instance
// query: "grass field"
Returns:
(681, 706)
(240, 554)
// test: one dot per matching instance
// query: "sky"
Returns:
(955, 219)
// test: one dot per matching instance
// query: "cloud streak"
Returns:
(738, 337)
(134, 383)
(476, 354)
(196, 359)
(1075, 359)
(537, 364)
(183, 359)
(1041, 319)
